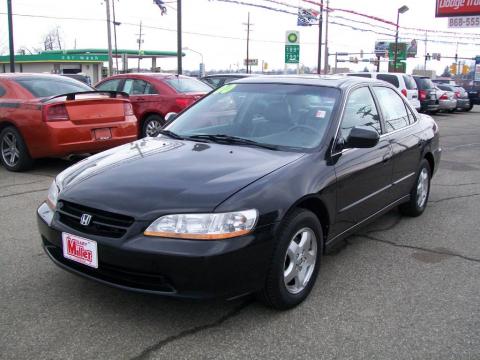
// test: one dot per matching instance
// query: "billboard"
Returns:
(382, 48)
(447, 8)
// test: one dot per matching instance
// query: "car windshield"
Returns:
(187, 85)
(51, 86)
(290, 117)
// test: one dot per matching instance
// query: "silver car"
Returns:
(446, 100)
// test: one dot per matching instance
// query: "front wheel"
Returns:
(13, 151)
(152, 125)
(295, 262)
(420, 192)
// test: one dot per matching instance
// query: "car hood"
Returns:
(154, 176)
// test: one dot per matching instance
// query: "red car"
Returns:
(154, 95)
(55, 116)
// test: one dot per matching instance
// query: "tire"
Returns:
(151, 125)
(11, 140)
(418, 195)
(451, 111)
(301, 226)
(470, 107)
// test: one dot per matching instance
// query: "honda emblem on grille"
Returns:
(85, 219)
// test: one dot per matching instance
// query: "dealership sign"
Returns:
(464, 22)
(457, 8)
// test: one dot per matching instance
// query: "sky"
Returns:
(216, 29)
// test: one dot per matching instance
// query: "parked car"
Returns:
(55, 116)
(80, 77)
(242, 193)
(446, 100)
(403, 82)
(218, 80)
(463, 102)
(427, 94)
(474, 94)
(154, 95)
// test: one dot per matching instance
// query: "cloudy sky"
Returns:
(216, 29)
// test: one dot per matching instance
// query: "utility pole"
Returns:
(320, 28)
(179, 37)
(248, 41)
(140, 41)
(10, 36)
(326, 36)
(109, 35)
(115, 24)
(426, 54)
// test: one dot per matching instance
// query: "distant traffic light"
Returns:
(465, 69)
(453, 69)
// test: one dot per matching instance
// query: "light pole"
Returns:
(202, 69)
(401, 10)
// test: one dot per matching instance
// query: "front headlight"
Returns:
(52, 196)
(204, 226)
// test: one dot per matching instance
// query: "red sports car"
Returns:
(154, 95)
(55, 116)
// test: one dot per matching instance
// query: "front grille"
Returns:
(102, 223)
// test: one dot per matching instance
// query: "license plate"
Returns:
(102, 134)
(433, 96)
(79, 249)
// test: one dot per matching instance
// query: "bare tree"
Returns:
(53, 40)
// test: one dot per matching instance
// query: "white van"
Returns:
(403, 82)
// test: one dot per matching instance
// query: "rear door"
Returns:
(143, 95)
(363, 175)
(405, 141)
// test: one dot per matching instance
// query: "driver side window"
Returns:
(360, 110)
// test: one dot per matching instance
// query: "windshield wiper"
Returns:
(227, 139)
(171, 134)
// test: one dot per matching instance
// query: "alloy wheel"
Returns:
(153, 127)
(300, 260)
(9, 149)
(422, 188)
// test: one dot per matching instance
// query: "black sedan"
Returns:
(244, 191)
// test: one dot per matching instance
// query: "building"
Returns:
(89, 62)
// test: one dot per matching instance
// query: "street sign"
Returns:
(447, 8)
(401, 51)
(251, 62)
(292, 37)
(292, 54)
(464, 22)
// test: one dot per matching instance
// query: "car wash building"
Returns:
(89, 62)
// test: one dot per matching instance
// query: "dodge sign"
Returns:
(457, 8)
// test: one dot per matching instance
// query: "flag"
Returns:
(307, 17)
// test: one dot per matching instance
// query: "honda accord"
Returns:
(244, 191)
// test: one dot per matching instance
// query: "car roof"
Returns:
(318, 80)
(234, 75)
(12, 76)
(147, 76)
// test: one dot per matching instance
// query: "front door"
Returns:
(364, 176)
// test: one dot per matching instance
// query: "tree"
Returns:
(53, 40)
(446, 72)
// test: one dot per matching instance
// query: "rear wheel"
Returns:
(419, 193)
(13, 151)
(470, 107)
(295, 262)
(152, 125)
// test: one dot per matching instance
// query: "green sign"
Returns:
(292, 54)
(401, 52)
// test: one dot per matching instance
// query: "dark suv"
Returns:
(426, 94)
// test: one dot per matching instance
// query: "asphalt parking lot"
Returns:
(402, 288)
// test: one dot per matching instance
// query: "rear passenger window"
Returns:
(2, 91)
(360, 110)
(110, 85)
(410, 82)
(392, 79)
(393, 108)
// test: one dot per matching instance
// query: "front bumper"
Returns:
(173, 267)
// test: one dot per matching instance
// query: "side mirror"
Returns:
(170, 117)
(362, 137)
